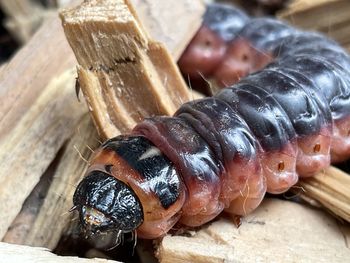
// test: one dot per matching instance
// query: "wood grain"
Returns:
(39, 131)
(23, 17)
(16, 253)
(330, 188)
(278, 231)
(172, 23)
(328, 16)
(54, 218)
(124, 73)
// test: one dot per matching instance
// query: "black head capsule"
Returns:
(107, 204)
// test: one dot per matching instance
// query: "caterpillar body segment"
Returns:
(284, 113)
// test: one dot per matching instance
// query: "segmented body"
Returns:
(287, 120)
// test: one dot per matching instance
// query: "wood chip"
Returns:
(54, 218)
(18, 231)
(278, 231)
(124, 74)
(330, 188)
(23, 17)
(31, 145)
(170, 22)
(16, 253)
(332, 17)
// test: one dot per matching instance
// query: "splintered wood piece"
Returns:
(170, 22)
(124, 74)
(23, 17)
(278, 231)
(332, 17)
(54, 218)
(330, 188)
(20, 227)
(47, 226)
(17, 253)
(35, 138)
(25, 77)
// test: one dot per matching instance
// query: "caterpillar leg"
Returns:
(199, 219)
(340, 150)
(202, 207)
(250, 196)
(313, 153)
(238, 172)
(158, 228)
(280, 168)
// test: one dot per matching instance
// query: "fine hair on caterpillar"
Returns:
(283, 113)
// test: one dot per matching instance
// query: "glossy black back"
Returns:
(156, 170)
(303, 90)
(225, 20)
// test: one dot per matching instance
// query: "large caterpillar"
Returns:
(224, 152)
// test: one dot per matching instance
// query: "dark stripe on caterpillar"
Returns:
(225, 152)
(153, 167)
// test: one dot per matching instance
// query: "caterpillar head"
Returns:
(107, 204)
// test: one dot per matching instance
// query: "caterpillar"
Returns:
(287, 116)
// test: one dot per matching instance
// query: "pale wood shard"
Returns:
(278, 231)
(38, 112)
(170, 22)
(11, 253)
(35, 138)
(54, 218)
(124, 74)
(330, 188)
(33, 126)
(23, 17)
(332, 17)
(22, 224)
(30, 71)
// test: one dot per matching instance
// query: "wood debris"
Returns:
(332, 17)
(23, 17)
(114, 52)
(54, 219)
(36, 114)
(17, 253)
(278, 231)
(329, 188)
(172, 23)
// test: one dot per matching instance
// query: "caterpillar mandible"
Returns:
(288, 119)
